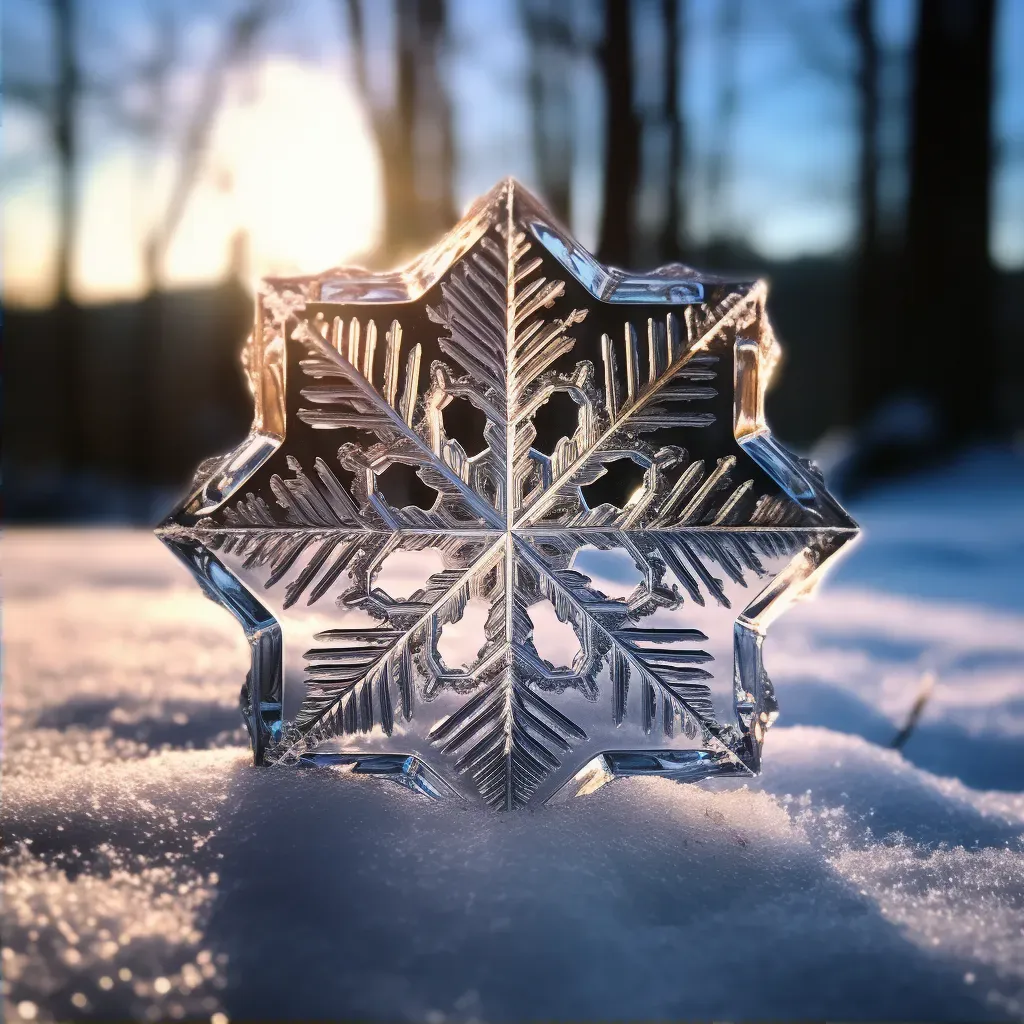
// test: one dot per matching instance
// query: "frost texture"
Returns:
(151, 874)
(575, 457)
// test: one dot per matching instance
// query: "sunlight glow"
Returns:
(291, 164)
(29, 241)
(305, 172)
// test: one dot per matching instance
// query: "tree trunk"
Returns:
(66, 141)
(622, 137)
(67, 321)
(418, 166)
(674, 226)
(435, 158)
(869, 338)
(401, 221)
(948, 352)
(148, 440)
(551, 38)
(726, 106)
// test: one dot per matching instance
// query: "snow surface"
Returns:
(151, 873)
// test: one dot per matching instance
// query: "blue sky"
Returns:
(787, 184)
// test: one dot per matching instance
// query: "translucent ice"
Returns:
(441, 582)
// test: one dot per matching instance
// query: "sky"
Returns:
(292, 162)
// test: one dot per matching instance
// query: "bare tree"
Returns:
(617, 232)
(414, 133)
(862, 14)
(727, 31)
(56, 99)
(870, 336)
(822, 53)
(435, 151)
(65, 137)
(674, 224)
(66, 145)
(551, 35)
(239, 37)
(59, 106)
(152, 124)
(948, 349)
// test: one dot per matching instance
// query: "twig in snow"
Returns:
(924, 692)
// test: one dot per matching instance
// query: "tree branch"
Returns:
(238, 41)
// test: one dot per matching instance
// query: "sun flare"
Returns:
(301, 171)
(291, 165)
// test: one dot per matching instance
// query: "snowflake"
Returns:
(604, 526)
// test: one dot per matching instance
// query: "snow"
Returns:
(151, 873)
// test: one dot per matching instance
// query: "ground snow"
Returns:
(149, 872)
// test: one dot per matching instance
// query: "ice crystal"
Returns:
(509, 523)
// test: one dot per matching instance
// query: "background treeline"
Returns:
(900, 346)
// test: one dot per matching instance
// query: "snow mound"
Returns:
(150, 873)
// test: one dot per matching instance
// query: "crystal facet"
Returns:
(509, 523)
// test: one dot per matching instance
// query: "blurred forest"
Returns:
(902, 332)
